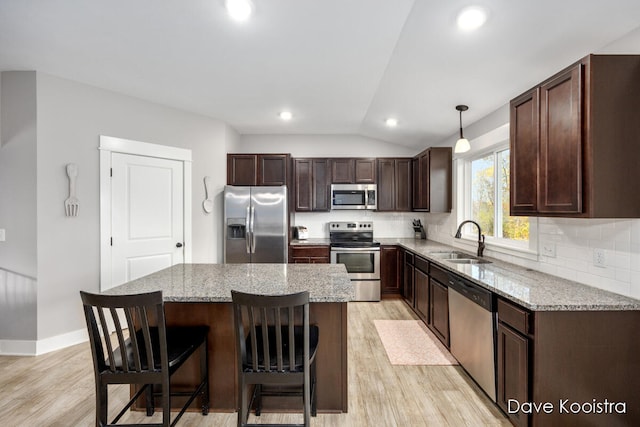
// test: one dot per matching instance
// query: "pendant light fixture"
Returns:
(462, 145)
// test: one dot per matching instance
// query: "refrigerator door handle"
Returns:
(247, 233)
(253, 235)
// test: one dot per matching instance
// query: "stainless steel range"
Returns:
(352, 244)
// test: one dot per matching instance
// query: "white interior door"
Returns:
(147, 214)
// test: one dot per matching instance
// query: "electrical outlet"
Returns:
(598, 258)
(2, 235)
(549, 250)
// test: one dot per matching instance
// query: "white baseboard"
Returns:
(17, 348)
(38, 347)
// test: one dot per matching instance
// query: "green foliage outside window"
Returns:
(485, 198)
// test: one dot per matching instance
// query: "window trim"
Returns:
(528, 250)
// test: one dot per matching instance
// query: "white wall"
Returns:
(71, 117)
(18, 261)
(18, 172)
(64, 253)
(323, 146)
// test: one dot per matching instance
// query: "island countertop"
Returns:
(214, 282)
(200, 294)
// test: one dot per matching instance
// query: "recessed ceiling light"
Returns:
(239, 10)
(471, 18)
(391, 122)
(285, 115)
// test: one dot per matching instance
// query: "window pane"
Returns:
(483, 194)
(513, 227)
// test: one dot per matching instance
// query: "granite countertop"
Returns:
(531, 289)
(314, 241)
(214, 282)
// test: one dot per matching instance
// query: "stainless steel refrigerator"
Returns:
(255, 224)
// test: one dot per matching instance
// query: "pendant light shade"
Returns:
(462, 145)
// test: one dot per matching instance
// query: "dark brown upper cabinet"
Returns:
(365, 171)
(394, 184)
(257, 169)
(353, 171)
(525, 134)
(432, 180)
(311, 185)
(575, 142)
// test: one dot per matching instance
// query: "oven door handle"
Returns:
(373, 249)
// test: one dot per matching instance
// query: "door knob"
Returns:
(178, 245)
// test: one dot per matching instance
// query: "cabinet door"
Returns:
(365, 171)
(525, 137)
(513, 371)
(386, 184)
(415, 179)
(342, 171)
(560, 177)
(421, 182)
(302, 181)
(403, 185)
(389, 270)
(439, 314)
(320, 184)
(407, 291)
(439, 181)
(273, 169)
(241, 169)
(421, 289)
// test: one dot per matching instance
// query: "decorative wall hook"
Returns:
(207, 204)
(72, 204)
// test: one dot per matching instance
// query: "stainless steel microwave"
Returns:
(354, 196)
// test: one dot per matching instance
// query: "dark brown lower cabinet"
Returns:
(309, 254)
(439, 310)
(407, 285)
(513, 372)
(514, 325)
(583, 365)
(389, 271)
(421, 287)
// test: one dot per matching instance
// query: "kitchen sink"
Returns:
(469, 261)
(451, 255)
(457, 257)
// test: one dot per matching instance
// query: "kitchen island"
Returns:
(200, 294)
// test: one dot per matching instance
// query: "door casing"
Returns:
(109, 145)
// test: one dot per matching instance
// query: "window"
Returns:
(486, 199)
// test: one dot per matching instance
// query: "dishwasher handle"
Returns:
(479, 295)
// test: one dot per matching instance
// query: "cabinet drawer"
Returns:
(439, 274)
(319, 251)
(514, 316)
(408, 257)
(421, 264)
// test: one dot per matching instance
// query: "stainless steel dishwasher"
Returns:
(471, 331)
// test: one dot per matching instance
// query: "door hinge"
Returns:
(111, 241)
(110, 171)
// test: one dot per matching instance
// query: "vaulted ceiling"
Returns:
(341, 66)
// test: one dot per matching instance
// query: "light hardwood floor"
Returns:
(56, 389)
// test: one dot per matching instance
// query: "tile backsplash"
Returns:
(572, 244)
(387, 224)
(604, 253)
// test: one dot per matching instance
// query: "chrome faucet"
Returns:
(480, 235)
